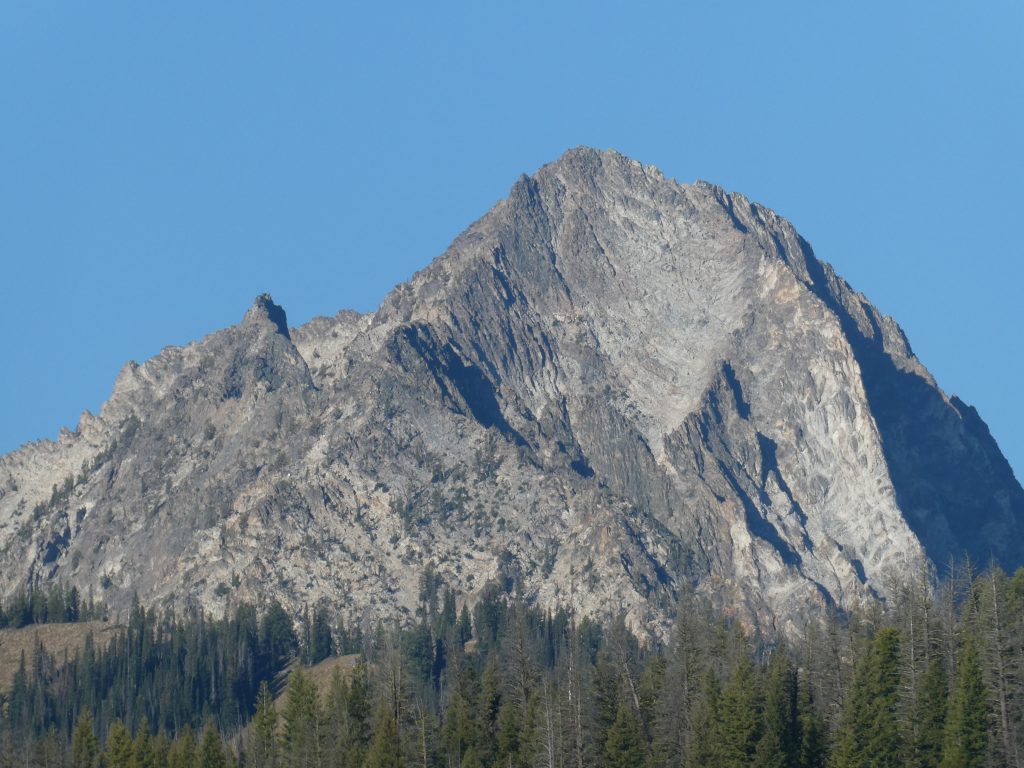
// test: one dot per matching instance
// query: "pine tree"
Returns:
(739, 728)
(509, 727)
(263, 739)
(813, 750)
(779, 746)
(870, 735)
(182, 753)
(704, 748)
(161, 750)
(457, 732)
(966, 733)
(930, 717)
(335, 722)
(120, 751)
(300, 743)
(321, 642)
(357, 733)
(143, 748)
(384, 751)
(625, 746)
(84, 747)
(883, 743)
(211, 749)
(680, 688)
(488, 708)
(465, 625)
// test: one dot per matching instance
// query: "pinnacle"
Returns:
(264, 308)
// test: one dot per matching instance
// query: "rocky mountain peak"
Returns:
(609, 389)
(264, 310)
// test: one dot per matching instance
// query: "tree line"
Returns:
(932, 678)
(52, 604)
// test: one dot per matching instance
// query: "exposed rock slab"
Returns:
(609, 387)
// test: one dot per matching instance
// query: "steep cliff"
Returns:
(610, 387)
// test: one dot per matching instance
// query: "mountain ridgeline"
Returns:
(609, 389)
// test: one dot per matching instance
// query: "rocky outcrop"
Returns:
(610, 388)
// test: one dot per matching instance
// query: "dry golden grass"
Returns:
(320, 674)
(56, 639)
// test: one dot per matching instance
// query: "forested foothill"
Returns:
(932, 677)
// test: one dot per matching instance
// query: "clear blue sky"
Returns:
(163, 163)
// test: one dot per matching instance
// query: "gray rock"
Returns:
(610, 388)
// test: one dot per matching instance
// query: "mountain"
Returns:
(610, 388)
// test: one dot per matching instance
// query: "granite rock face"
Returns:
(611, 387)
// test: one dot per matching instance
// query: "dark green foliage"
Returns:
(277, 634)
(704, 751)
(300, 737)
(385, 749)
(870, 736)
(739, 725)
(318, 642)
(625, 746)
(930, 718)
(967, 727)
(263, 731)
(535, 689)
(813, 748)
(779, 745)
(161, 671)
(53, 604)
(465, 626)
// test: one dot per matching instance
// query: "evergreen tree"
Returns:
(277, 636)
(488, 708)
(119, 751)
(263, 739)
(84, 747)
(211, 749)
(182, 753)
(813, 751)
(465, 626)
(625, 746)
(457, 733)
(966, 732)
(321, 643)
(143, 747)
(870, 735)
(161, 750)
(779, 746)
(739, 728)
(509, 725)
(930, 717)
(335, 722)
(704, 747)
(300, 744)
(385, 750)
(357, 733)
(680, 688)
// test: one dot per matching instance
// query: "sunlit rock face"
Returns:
(609, 389)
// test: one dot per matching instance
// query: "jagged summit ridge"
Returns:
(611, 387)
(264, 309)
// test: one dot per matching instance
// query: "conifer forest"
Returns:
(931, 678)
